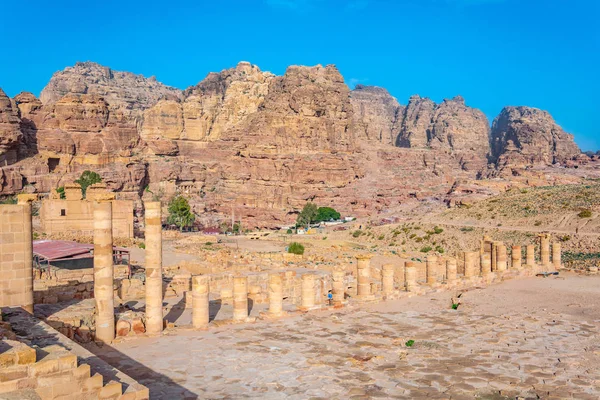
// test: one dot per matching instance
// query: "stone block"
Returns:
(112, 390)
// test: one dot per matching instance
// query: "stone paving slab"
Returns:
(361, 353)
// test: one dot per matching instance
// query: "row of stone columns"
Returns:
(104, 270)
(497, 253)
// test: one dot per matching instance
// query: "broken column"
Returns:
(545, 249)
(154, 284)
(515, 256)
(200, 301)
(240, 298)
(104, 272)
(308, 291)
(410, 277)
(451, 270)
(275, 295)
(494, 255)
(338, 287)
(387, 273)
(431, 270)
(470, 260)
(363, 275)
(502, 261)
(556, 255)
(530, 256)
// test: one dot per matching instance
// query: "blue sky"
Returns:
(540, 53)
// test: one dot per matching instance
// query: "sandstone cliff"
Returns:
(523, 136)
(10, 132)
(451, 125)
(376, 114)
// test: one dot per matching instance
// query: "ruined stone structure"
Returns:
(16, 265)
(240, 298)
(545, 249)
(556, 255)
(308, 291)
(275, 295)
(530, 255)
(515, 255)
(75, 215)
(200, 302)
(363, 275)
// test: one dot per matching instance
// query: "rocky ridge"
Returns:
(258, 145)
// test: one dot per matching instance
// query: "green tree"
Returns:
(61, 192)
(180, 213)
(326, 214)
(308, 215)
(86, 179)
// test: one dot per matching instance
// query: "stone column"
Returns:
(451, 270)
(410, 277)
(431, 270)
(387, 283)
(28, 255)
(545, 250)
(275, 295)
(200, 302)
(530, 256)
(486, 264)
(104, 272)
(502, 261)
(515, 255)
(363, 275)
(240, 298)
(308, 291)
(338, 287)
(470, 259)
(494, 256)
(556, 255)
(154, 283)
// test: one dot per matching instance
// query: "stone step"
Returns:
(15, 353)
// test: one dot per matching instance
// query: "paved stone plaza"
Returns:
(532, 337)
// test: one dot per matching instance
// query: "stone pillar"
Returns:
(308, 291)
(200, 302)
(515, 255)
(363, 275)
(240, 298)
(154, 283)
(470, 259)
(502, 261)
(545, 249)
(486, 264)
(275, 295)
(451, 270)
(16, 255)
(556, 256)
(338, 287)
(494, 256)
(387, 283)
(530, 257)
(441, 269)
(410, 277)
(104, 272)
(431, 270)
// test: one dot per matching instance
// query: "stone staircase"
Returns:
(54, 371)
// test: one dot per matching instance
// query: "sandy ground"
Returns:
(536, 338)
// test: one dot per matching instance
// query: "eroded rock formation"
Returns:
(376, 114)
(10, 130)
(525, 135)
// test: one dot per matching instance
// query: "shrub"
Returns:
(357, 233)
(142, 245)
(426, 249)
(437, 230)
(296, 248)
(381, 237)
(537, 223)
(410, 343)
(585, 214)
(87, 179)
(289, 231)
(469, 229)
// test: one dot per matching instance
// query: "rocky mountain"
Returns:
(525, 135)
(260, 146)
(450, 126)
(376, 114)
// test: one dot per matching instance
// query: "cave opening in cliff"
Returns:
(53, 164)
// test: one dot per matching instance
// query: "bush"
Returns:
(437, 230)
(142, 245)
(585, 214)
(381, 237)
(469, 229)
(88, 178)
(426, 249)
(289, 231)
(439, 249)
(296, 248)
(537, 223)
(357, 233)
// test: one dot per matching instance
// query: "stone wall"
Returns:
(16, 279)
(77, 217)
